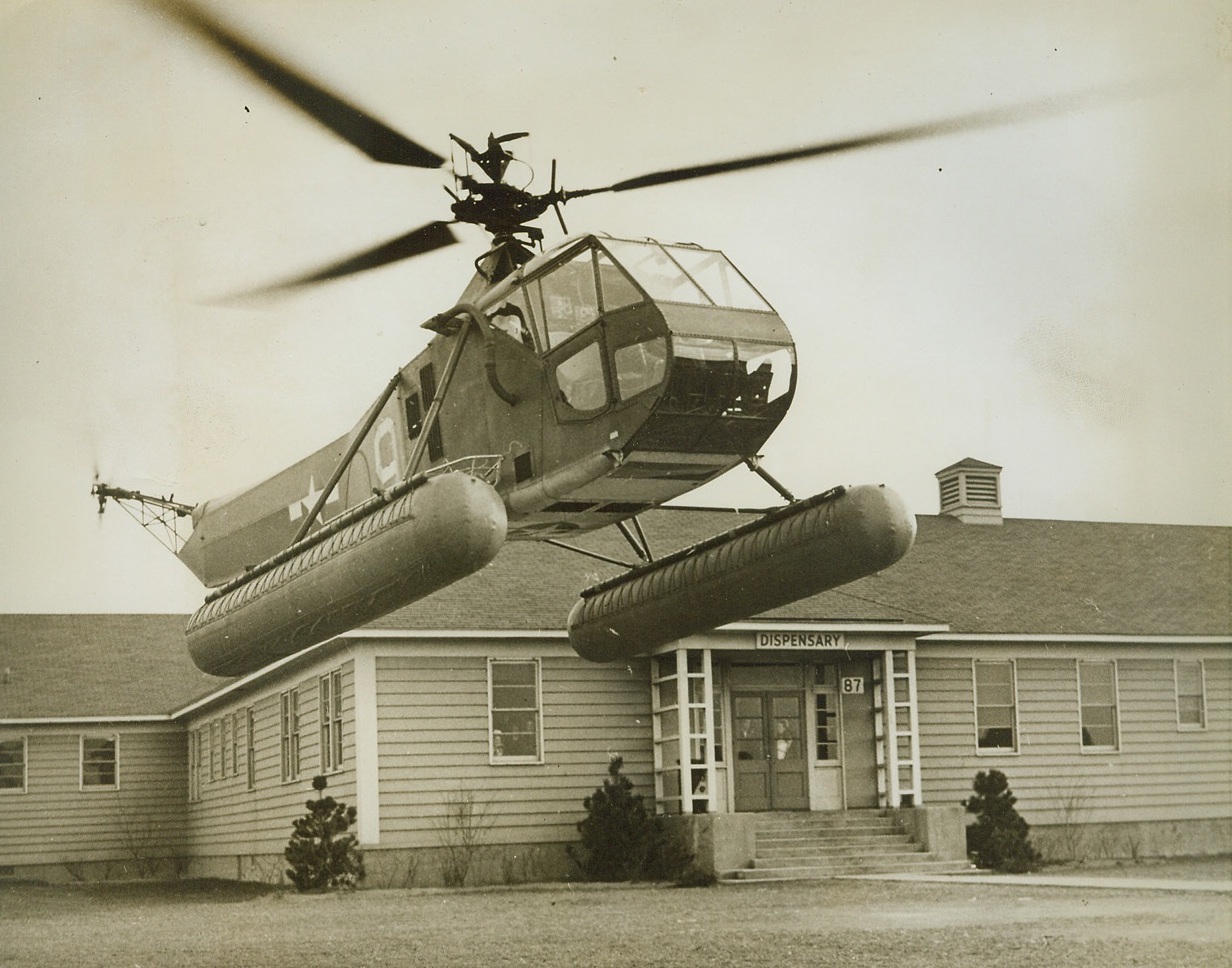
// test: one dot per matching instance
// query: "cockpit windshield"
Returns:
(686, 274)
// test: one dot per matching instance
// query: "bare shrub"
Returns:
(462, 832)
(1072, 807)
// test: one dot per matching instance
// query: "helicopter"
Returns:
(571, 387)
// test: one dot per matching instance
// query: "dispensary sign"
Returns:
(800, 640)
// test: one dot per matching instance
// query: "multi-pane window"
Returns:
(224, 727)
(213, 750)
(827, 727)
(995, 705)
(194, 766)
(1097, 691)
(235, 743)
(250, 752)
(1190, 694)
(13, 765)
(331, 721)
(99, 762)
(825, 705)
(288, 731)
(513, 703)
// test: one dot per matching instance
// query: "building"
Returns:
(1088, 661)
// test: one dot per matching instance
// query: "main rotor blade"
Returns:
(374, 138)
(914, 132)
(426, 238)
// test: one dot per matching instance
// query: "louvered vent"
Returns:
(982, 489)
(950, 493)
(971, 491)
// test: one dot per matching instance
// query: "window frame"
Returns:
(194, 765)
(1116, 708)
(329, 721)
(1201, 725)
(24, 739)
(1014, 749)
(214, 727)
(288, 734)
(224, 742)
(250, 746)
(499, 759)
(81, 762)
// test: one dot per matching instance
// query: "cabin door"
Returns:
(770, 763)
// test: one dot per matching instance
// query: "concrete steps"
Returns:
(813, 846)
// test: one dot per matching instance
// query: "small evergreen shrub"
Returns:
(322, 855)
(998, 840)
(623, 841)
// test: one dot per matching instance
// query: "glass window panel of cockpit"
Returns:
(656, 272)
(718, 278)
(570, 297)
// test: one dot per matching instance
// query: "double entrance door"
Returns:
(771, 762)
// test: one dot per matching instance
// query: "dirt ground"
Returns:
(961, 924)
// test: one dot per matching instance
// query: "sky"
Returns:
(1052, 296)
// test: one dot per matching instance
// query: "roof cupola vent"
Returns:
(971, 491)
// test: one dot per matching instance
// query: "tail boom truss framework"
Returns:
(158, 515)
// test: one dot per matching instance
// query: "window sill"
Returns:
(515, 761)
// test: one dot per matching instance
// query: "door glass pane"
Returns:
(785, 712)
(749, 727)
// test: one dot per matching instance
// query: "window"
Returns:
(99, 762)
(13, 765)
(213, 750)
(640, 366)
(224, 727)
(717, 278)
(513, 704)
(565, 300)
(331, 721)
(825, 708)
(250, 752)
(427, 387)
(1097, 690)
(615, 288)
(289, 734)
(1190, 694)
(581, 381)
(995, 706)
(194, 766)
(235, 743)
(513, 318)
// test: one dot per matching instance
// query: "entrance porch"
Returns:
(742, 727)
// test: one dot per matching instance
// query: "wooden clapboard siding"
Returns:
(229, 818)
(433, 743)
(56, 821)
(1159, 772)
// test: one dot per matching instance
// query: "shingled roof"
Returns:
(1023, 576)
(54, 666)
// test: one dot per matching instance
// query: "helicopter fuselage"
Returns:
(603, 377)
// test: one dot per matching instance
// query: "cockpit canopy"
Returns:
(617, 320)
